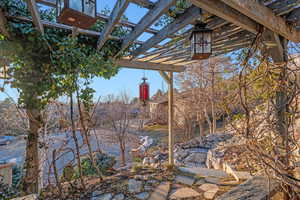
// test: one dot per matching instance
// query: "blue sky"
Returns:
(126, 79)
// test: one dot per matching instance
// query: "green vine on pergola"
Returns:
(45, 63)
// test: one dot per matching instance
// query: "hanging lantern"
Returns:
(144, 91)
(78, 13)
(201, 42)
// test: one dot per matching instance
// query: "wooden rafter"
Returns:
(226, 12)
(188, 17)
(265, 16)
(148, 65)
(35, 15)
(159, 9)
(115, 16)
(70, 28)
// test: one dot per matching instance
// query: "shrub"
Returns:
(103, 161)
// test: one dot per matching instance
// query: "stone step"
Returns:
(184, 193)
(256, 188)
(185, 180)
(161, 192)
(204, 172)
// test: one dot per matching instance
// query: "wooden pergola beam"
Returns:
(224, 11)
(265, 16)
(35, 15)
(114, 18)
(148, 65)
(159, 9)
(70, 28)
(190, 15)
(3, 23)
(165, 76)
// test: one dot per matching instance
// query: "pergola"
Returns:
(235, 23)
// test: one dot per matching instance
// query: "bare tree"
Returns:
(203, 82)
(119, 117)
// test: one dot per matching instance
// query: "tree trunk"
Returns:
(32, 180)
(123, 160)
(213, 113)
(208, 120)
(76, 141)
(281, 115)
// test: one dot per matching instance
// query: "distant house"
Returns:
(158, 106)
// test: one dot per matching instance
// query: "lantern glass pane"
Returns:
(60, 6)
(206, 42)
(199, 43)
(76, 5)
(89, 8)
(193, 44)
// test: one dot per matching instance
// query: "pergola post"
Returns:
(171, 119)
(169, 79)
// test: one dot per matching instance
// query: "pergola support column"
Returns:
(169, 79)
(171, 119)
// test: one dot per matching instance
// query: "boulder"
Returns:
(107, 196)
(134, 186)
(256, 188)
(119, 196)
(142, 196)
(196, 158)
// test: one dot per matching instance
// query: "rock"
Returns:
(96, 193)
(196, 158)
(28, 197)
(209, 187)
(142, 196)
(148, 188)
(119, 196)
(145, 161)
(152, 182)
(185, 180)
(213, 160)
(161, 192)
(193, 164)
(210, 194)
(134, 186)
(142, 177)
(204, 172)
(242, 175)
(184, 193)
(107, 196)
(151, 161)
(212, 180)
(181, 154)
(200, 182)
(256, 188)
